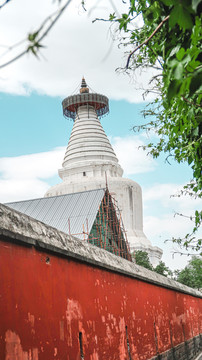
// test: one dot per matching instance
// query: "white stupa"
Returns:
(90, 159)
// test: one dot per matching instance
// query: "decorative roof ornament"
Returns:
(84, 88)
(71, 104)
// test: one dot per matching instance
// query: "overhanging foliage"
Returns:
(166, 35)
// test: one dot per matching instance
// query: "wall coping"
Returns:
(15, 226)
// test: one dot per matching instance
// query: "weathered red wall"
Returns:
(44, 306)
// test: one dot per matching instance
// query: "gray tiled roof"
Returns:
(64, 210)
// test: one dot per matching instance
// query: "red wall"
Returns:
(43, 307)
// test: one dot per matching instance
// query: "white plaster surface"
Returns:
(89, 162)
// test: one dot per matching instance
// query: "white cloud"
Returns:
(42, 165)
(75, 47)
(25, 177)
(167, 196)
(132, 158)
(21, 189)
(164, 224)
(161, 230)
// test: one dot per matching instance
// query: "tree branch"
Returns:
(5, 2)
(100, 19)
(190, 102)
(41, 37)
(147, 40)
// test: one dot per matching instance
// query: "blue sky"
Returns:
(34, 132)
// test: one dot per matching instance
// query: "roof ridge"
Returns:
(49, 197)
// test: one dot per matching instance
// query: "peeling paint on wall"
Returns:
(62, 332)
(14, 350)
(74, 312)
(94, 356)
(122, 348)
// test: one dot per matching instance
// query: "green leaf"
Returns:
(132, 3)
(173, 89)
(173, 17)
(32, 49)
(178, 71)
(180, 54)
(179, 15)
(174, 50)
(112, 17)
(190, 159)
(32, 37)
(195, 132)
(184, 20)
(168, 2)
(196, 82)
(195, 4)
(123, 22)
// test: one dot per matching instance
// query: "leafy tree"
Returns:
(162, 269)
(142, 258)
(166, 35)
(191, 275)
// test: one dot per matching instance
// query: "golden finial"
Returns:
(84, 88)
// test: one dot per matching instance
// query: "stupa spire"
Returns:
(89, 150)
(72, 103)
(84, 88)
